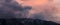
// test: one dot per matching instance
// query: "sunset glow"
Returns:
(52, 6)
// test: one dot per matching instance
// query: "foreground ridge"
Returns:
(24, 21)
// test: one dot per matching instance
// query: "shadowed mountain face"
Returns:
(25, 21)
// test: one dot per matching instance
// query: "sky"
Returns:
(38, 6)
(48, 10)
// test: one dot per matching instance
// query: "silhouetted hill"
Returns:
(24, 21)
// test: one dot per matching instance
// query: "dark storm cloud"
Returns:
(9, 7)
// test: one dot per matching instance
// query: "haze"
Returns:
(50, 9)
